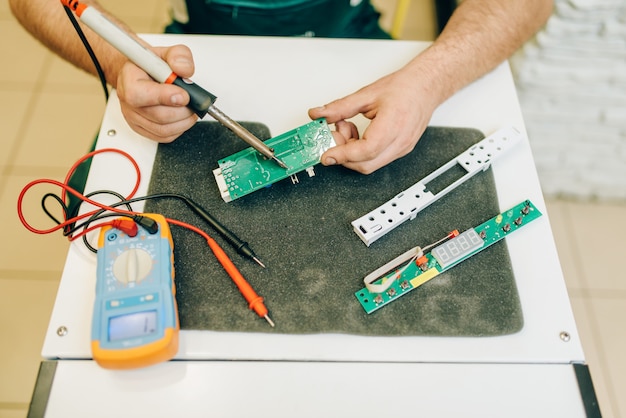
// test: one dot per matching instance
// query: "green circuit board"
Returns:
(247, 171)
(447, 255)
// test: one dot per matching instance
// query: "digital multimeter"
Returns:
(135, 318)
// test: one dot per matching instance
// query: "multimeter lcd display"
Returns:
(133, 325)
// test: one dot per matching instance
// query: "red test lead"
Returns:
(255, 302)
(129, 222)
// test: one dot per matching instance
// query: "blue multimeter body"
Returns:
(135, 318)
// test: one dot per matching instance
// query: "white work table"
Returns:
(275, 81)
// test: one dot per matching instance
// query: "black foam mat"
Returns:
(315, 262)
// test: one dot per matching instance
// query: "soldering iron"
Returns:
(200, 100)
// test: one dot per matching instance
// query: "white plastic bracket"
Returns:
(408, 203)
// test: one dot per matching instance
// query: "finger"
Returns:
(144, 93)
(140, 113)
(345, 131)
(179, 58)
(154, 110)
(379, 146)
(365, 149)
(162, 103)
(163, 132)
(381, 160)
(340, 139)
(136, 88)
(365, 166)
(349, 154)
(343, 108)
(158, 114)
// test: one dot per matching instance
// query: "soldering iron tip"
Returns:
(280, 163)
(259, 262)
(269, 320)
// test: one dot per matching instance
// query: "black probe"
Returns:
(241, 246)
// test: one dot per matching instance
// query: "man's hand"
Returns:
(157, 111)
(399, 110)
(479, 35)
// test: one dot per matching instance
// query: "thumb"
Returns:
(179, 58)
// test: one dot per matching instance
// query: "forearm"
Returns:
(46, 20)
(479, 36)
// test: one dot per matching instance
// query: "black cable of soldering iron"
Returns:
(92, 54)
(241, 246)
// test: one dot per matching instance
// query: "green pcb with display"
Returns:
(247, 171)
(423, 267)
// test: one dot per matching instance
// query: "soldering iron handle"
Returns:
(199, 99)
(144, 58)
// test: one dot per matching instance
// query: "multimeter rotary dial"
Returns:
(132, 266)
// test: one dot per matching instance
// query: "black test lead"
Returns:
(241, 246)
(200, 100)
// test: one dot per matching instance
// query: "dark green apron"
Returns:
(320, 18)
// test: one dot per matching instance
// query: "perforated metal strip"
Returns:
(407, 204)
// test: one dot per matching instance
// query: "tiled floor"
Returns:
(42, 138)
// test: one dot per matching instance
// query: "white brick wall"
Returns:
(571, 81)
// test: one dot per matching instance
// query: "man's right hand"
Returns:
(154, 110)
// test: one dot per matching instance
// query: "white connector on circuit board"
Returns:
(221, 185)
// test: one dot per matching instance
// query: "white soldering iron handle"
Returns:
(200, 100)
(127, 45)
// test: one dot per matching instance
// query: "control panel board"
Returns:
(418, 271)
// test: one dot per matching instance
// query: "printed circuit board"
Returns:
(247, 171)
(419, 270)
